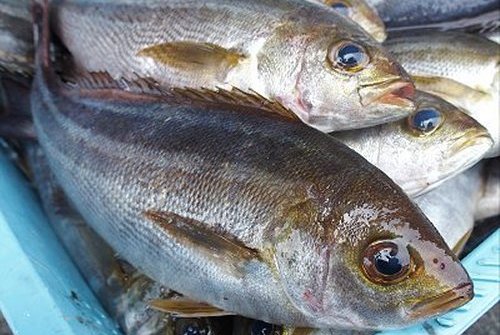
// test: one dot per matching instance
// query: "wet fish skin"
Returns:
(276, 48)
(416, 160)
(461, 68)
(360, 12)
(225, 212)
(16, 38)
(417, 13)
(451, 207)
(488, 204)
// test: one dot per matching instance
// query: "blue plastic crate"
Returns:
(42, 292)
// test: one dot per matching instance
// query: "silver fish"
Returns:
(432, 145)
(444, 14)
(241, 208)
(320, 65)
(463, 69)
(488, 204)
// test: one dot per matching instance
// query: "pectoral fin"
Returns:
(185, 308)
(204, 59)
(228, 253)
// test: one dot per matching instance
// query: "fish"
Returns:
(444, 14)
(461, 68)
(432, 145)
(451, 207)
(16, 37)
(124, 291)
(360, 12)
(246, 210)
(488, 204)
(312, 60)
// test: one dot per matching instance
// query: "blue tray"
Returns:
(41, 291)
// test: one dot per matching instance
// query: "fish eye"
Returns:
(264, 328)
(425, 120)
(348, 56)
(385, 262)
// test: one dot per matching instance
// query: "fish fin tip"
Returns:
(186, 308)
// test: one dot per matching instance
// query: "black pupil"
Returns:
(426, 119)
(387, 262)
(350, 55)
(262, 328)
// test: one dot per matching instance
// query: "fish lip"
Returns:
(470, 139)
(448, 300)
(397, 92)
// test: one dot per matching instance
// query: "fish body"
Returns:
(461, 68)
(362, 13)
(444, 13)
(249, 211)
(451, 206)
(488, 204)
(433, 144)
(16, 37)
(315, 62)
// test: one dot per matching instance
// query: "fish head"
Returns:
(433, 144)
(370, 264)
(351, 73)
(363, 14)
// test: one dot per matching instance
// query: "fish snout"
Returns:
(444, 302)
(476, 137)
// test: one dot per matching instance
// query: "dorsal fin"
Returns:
(93, 84)
(233, 97)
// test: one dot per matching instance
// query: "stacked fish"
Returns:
(268, 158)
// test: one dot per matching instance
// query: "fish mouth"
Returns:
(399, 93)
(473, 138)
(443, 302)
